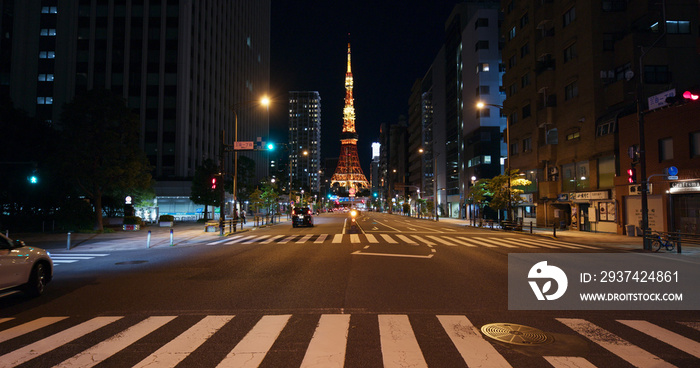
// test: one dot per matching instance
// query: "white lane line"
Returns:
(633, 354)
(78, 254)
(441, 240)
(98, 353)
(59, 261)
(61, 258)
(328, 345)
(338, 238)
(399, 345)
(270, 240)
(321, 238)
(252, 349)
(359, 253)
(354, 238)
(305, 238)
(568, 362)
(474, 349)
(392, 228)
(388, 239)
(406, 239)
(22, 329)
(463, 241)
(371, 238)
(448, 229)
(52, 342)
(172, 353)
(677, 341)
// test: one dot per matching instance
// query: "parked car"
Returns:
(23, 268)
(302, 216)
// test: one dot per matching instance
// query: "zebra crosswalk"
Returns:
(406, 239)
(403, 340)
(60, 258)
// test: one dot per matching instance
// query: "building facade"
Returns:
(305, 139)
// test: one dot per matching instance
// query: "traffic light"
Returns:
(33, 178)
(691, 95)
(632, 175)
(213, 183)
(270, 146)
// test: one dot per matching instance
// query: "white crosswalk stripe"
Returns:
(66, 258)
(452, 241)
(395, 335)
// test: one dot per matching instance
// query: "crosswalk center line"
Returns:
(321, 238)
(388, 239)
(172, 353)
(474, 349)
(633, 354)
(305, 238)
(441, 240)
(677, 341)
(251, 351)
(98, 353)
(338, 238)
(328, 345)
(52, 342)
(371, 238)
(22, 329)
(568, 362)
(399, 345)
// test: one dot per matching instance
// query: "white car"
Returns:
(23, 268)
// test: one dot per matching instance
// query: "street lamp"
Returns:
(481, 105)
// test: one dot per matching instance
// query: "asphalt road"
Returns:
(396, 292)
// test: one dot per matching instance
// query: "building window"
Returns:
(481, 45)
(47, 54)
(44, 100)
(525, 80)
(575, 176)
(606, 128)
(574, 135)
(527, 144)
(606, 172)
(48, 32)
(552, 136)
(665, 149)
(501, 68)
(571, 90)
(526, 111)
(512, 61)
(608, 42)
(569, 53)
(656, 74)
(511, 33)
(569, 16)
(482, 67)
(524, 20)
(45, 77)
(678, 26)
(513, 148)
(481, 22)
(49, 10)
(513, 118)
(695, 144)
(482, 90)
(614, 5)
(525, 50)
(513, 89)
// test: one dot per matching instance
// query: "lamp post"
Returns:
(481, 105)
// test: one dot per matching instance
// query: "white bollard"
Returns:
(68, 242)
(148, 240)
(171, 237)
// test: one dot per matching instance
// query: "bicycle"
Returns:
(659, 241)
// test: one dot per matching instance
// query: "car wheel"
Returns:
(37, 281)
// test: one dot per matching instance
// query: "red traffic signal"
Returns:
(213, 183)
(631, 175)
(689, 95)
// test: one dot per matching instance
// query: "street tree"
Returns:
(100, 148)
(502, 194)
(201, 191)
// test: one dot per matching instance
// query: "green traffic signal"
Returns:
(271, 146)
(33, 179)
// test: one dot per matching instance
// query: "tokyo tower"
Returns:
(349, 174)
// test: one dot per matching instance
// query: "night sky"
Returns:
(393, 44)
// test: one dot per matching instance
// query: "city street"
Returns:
(396, 292)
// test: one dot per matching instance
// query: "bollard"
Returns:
(554, 230)
(148, 239)
(530, 227)
(68, 242)
(171, 237)
(678, 243)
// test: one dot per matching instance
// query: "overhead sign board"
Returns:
(240, 146)
(659, 100)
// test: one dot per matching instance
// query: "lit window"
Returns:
(48, 32)
(46, 77)
(44, 100)
(47, 54)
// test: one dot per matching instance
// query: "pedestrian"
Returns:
(243, 217)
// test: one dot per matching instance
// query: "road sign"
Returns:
(352, 192)
(672, 177)
(672, 171)
(240, 146)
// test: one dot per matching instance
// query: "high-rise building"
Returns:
(305, 139)
(189, 69)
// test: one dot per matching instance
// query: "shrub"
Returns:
(132, 220)
(166, 218)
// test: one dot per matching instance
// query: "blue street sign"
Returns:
(672, 171)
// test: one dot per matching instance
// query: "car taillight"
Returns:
(308, 212)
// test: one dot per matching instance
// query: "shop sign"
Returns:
(563, 197)
(526, 198)
(585, 196)
(692, 186)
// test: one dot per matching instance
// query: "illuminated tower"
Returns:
(349, 174)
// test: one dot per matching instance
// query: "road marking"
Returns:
(254, 239)
(406, 239)
(240, 239)
(79, 254)
(421, 239)
(371, 238)
(389, 239)
(116, 343)
(252, 349)
(631, 353)
(172, 353)
(6, 319)
(60, 258)
(498, 243)
(321, 238)
(61, 261)
(271, 239)
(328, 345)
(475, 350)
(287, 239)
(224, 240)
(354, 238)
(441, 240)
(357, 252)
(463, 241)
(305, 238)
(447, 229)
(52, 342)
(338, 238)
(399, 345)
(22, 329)
(483, 243)
(568, 362)
(548, 244)
(695, 325)
(518, 243)
(677, 341)
(392, 228)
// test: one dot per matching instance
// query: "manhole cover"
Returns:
(515, 334)
(130, 262)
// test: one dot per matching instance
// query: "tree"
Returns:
(100, 148)
(501, 196)
(201, 191)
